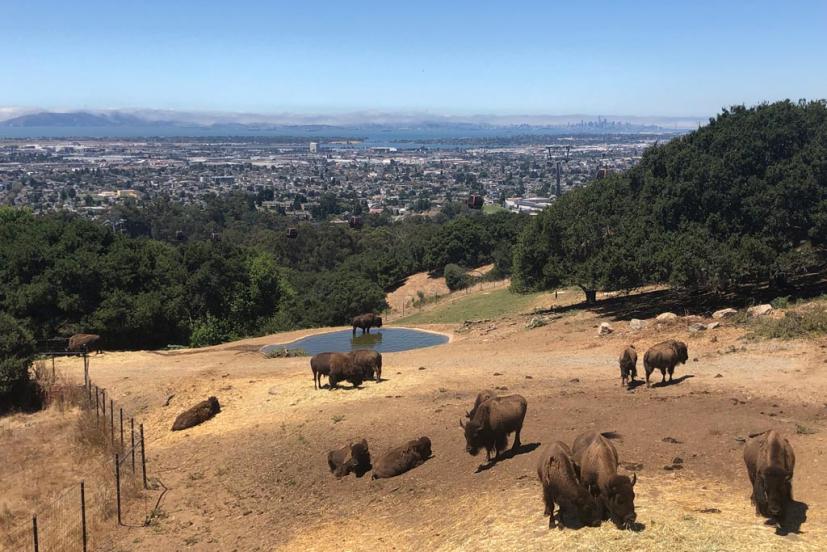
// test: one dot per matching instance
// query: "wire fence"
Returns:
(115, 490)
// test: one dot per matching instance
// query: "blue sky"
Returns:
(619, 58)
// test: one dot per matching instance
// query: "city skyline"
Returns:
(464, 59)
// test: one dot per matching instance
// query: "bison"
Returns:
(81, 343)
(351, 458)
(482, 396)
(664, 356)
(561, 484)
(320, 366)
(628, 365)
(597, 459)
(342, 368)
(370, 362)
(493, 420)
(366, 322)
(403, 458)
(198, 414)
(770, 464)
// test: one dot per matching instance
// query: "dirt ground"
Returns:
(255, 477)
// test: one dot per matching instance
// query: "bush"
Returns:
(455, 277)
(211, 331)
(17, 348)
(810, 322)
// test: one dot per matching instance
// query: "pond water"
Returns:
(385, 340)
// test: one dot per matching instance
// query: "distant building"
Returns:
(314, 147)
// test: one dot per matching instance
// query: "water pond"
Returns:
(384, 340)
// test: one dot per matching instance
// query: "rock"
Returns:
(713, 325)
(497, 374)
(670, 440)
(605, 329)
(723, 313)
(718, 376)
(273, 391)
(759, 310)
(421, 368)
(667, 317)
(529, 377)
(169, 398)
(710, 511)
(677, 460)
(536, 322)
(636, 325)
(575, 380)
(697, 327)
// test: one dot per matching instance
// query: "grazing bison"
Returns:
(366, 322)
(493, 420)
(198, 414)
(628, 365)
(403, 458)
(561, 484)
(351, 458)
(482, 396)
(82, 343)
(343, 369)
(370, 362)
(770, 464)
(597, 458)
(665, 356)
(320, 365)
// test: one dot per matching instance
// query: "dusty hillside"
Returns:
(255, 477)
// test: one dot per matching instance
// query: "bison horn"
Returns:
(461, 424)
(634, 479)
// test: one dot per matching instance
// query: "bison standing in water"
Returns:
(770, 464)
(561, 484)
(665, 356)
(354, 458)
(370, 362)
(628, 365)
(493, 420)
(597, 458)
(403, 458)
(366, 322)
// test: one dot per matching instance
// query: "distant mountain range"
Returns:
(146, 122)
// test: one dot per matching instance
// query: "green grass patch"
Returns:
(491, 208)
(796, 324)
(487, 304)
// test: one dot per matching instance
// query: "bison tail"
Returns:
(612, 435)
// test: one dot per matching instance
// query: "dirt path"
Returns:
(255, 477)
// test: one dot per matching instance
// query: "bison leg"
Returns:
(671, 371)
(516, 444)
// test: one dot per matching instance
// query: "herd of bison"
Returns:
(582, 480)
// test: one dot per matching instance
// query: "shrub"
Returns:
(455, 277)
(795, 324)
(17, 348)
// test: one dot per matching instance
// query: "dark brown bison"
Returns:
(83, 343)
(320, 366)
(351, 458)
(665, 356)
(403, 458)
(482, 396)
(597, 458)
(342, 368)
(561, 484)
(369, 361)
(198, 414)
(628, 365)
(366, 322)
(770, 464)
(491, 424)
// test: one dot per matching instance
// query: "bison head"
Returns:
(360, 458)
(473, 436)
(423, 447)
(588, 508)
(772, 487)
(681, 350)
(621, 500)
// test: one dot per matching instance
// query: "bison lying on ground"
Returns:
(354, 457)
(770, 464)
(366, 322)
(628, 365)
(597, 458)
(665, 356)
(370, 362)
(493, 420)
(403, 458)
(482, 396)
(320, 366)
(342, 368)
(198, 414)
(561, 484)
(83, 343)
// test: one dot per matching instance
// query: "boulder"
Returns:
(636, 325)
(712, 325)
(697, 327)
(759, 310)
(535, 322)
(198, 414)
(723, 313)
(667, 317)
(604, 329)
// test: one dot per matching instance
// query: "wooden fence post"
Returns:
(121, 411)
(143, 456)
(118, 485)
(112, 420)
(83, 514)
(97, 404)
(132, 432)
(34, 534)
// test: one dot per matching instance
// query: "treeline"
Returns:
(741, 201)
(169, 274)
